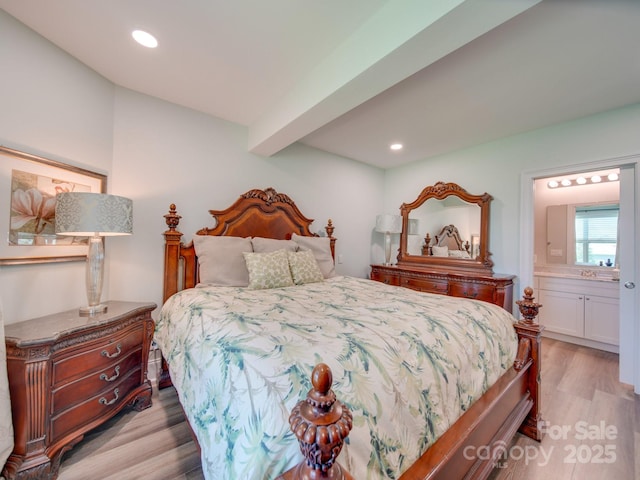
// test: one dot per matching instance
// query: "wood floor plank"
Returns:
(608, 450)
(578, 384)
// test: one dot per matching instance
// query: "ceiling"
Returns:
(352, 77)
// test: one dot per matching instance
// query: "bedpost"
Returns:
(329, 229)
(172, 238)
(530, 331)
(321, 424)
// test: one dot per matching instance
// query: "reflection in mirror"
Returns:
(577, 225)
(434, 215)
(453, 228)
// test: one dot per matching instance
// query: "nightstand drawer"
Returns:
(99, 355)
(477, 291)
(95, 407)
(69, 394)
(426, 285)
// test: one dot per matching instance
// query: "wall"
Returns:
(167, 154)
(497, 167)
(55, 107)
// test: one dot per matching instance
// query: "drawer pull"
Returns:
(471, 294)
(111, 379)
(112, 355)
(104, 401)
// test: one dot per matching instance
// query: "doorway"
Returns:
(629, 316)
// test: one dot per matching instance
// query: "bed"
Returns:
(428, 378)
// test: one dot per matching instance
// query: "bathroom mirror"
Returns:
(446, 228)
(576, 224)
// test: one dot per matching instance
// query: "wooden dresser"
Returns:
(493, 288)
(70, 373)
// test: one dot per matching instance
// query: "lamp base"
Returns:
(93, 310)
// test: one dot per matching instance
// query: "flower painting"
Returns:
(28, 187)
(33, 208)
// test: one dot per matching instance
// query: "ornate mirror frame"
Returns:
(481, 264)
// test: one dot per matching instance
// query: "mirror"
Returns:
(576, 224)
(448, 228)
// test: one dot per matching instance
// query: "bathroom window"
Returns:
(596, 230)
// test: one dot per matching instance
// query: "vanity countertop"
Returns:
(585, 274)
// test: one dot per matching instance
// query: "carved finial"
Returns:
(321, 424)
(172, 218)
(329, 228)
(528, 308)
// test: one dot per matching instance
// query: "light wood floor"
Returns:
(579, 384)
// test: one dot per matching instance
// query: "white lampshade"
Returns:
(85, 214)
(388, 223)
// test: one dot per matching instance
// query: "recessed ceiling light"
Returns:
(395, 146)
(144, 38)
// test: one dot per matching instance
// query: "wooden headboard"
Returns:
(448, 237)
(257, 213)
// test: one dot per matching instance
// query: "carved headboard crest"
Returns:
(268, 196)
(441, 189)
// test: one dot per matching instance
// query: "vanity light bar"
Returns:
(570, 182)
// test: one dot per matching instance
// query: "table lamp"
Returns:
(93, 215)
(388, 224)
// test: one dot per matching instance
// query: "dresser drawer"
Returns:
(426, 285)
(476, 291)
(72, 393)
(98, 355)
(384, 277)
(102, 404)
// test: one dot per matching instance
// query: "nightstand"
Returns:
(70, 373)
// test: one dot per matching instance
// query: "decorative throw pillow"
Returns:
(440, 251)
(321, 248)
(304, 267)
(459, 254)
(220, 260)
(262, 245)
(268, 270)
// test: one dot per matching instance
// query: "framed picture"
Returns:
(475, 245)
(28, 188)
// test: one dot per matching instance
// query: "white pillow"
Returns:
(321, 248)
(304, 267)
(440, 251)
(262, 245)
(268, 270)
(459, 254)
(220, 260)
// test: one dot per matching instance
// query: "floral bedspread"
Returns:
(407, 364)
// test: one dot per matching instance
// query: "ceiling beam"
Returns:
(403, 37)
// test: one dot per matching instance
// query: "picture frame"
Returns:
(28, 185)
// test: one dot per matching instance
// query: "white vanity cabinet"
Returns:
(582, 311)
